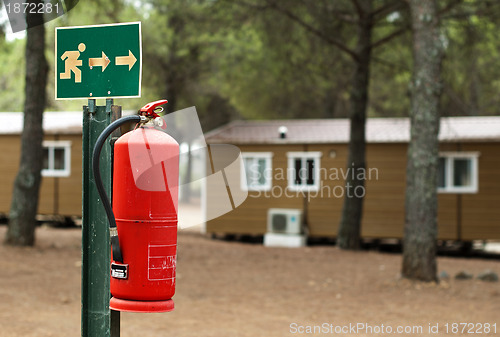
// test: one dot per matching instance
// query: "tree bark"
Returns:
(27, 183)
(419, 253)
(349, 232)
(472, 40)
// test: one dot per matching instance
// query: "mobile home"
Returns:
(301, 165)
(61, 189)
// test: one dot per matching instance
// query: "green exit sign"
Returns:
(103, 61)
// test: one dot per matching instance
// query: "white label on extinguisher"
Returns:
(119, 271)
(161, 262)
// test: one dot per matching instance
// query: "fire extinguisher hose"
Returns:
(115, 244)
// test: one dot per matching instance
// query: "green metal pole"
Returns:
(95, 229)
(116, 113)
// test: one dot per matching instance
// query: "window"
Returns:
(56, 158)
(257, 172)
(303, 171)
(458, 172)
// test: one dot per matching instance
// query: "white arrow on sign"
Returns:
(126, 60)
(99, 62)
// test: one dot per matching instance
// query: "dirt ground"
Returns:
(243, 289)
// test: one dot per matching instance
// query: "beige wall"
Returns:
(9, 161)
(481, 212)
(67, 200)
(477, 215)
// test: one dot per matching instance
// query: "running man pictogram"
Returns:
(71, 63)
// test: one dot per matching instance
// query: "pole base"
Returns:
(140, 306)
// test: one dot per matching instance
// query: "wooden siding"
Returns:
(9, 158)
(480, 216)
(251, 216)
(70, 188)
(460, 216)
(58, 195)
(384, 201)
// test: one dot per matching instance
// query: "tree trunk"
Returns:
(473, 41)
(27, 183)
(419, 254)
(349, 232)
(170, 92)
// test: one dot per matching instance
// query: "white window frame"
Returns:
(268, 174)
(316, 156)
(448, 183)
(57, 144)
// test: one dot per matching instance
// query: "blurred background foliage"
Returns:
(243, 59)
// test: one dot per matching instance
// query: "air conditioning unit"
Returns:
(284, 221)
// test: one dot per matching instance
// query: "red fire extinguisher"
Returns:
(143, 218)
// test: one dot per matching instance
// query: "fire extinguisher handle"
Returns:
(115, 244)
(151, 108)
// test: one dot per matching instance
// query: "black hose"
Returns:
(115, 244)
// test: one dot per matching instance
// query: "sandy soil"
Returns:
(241, 289)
